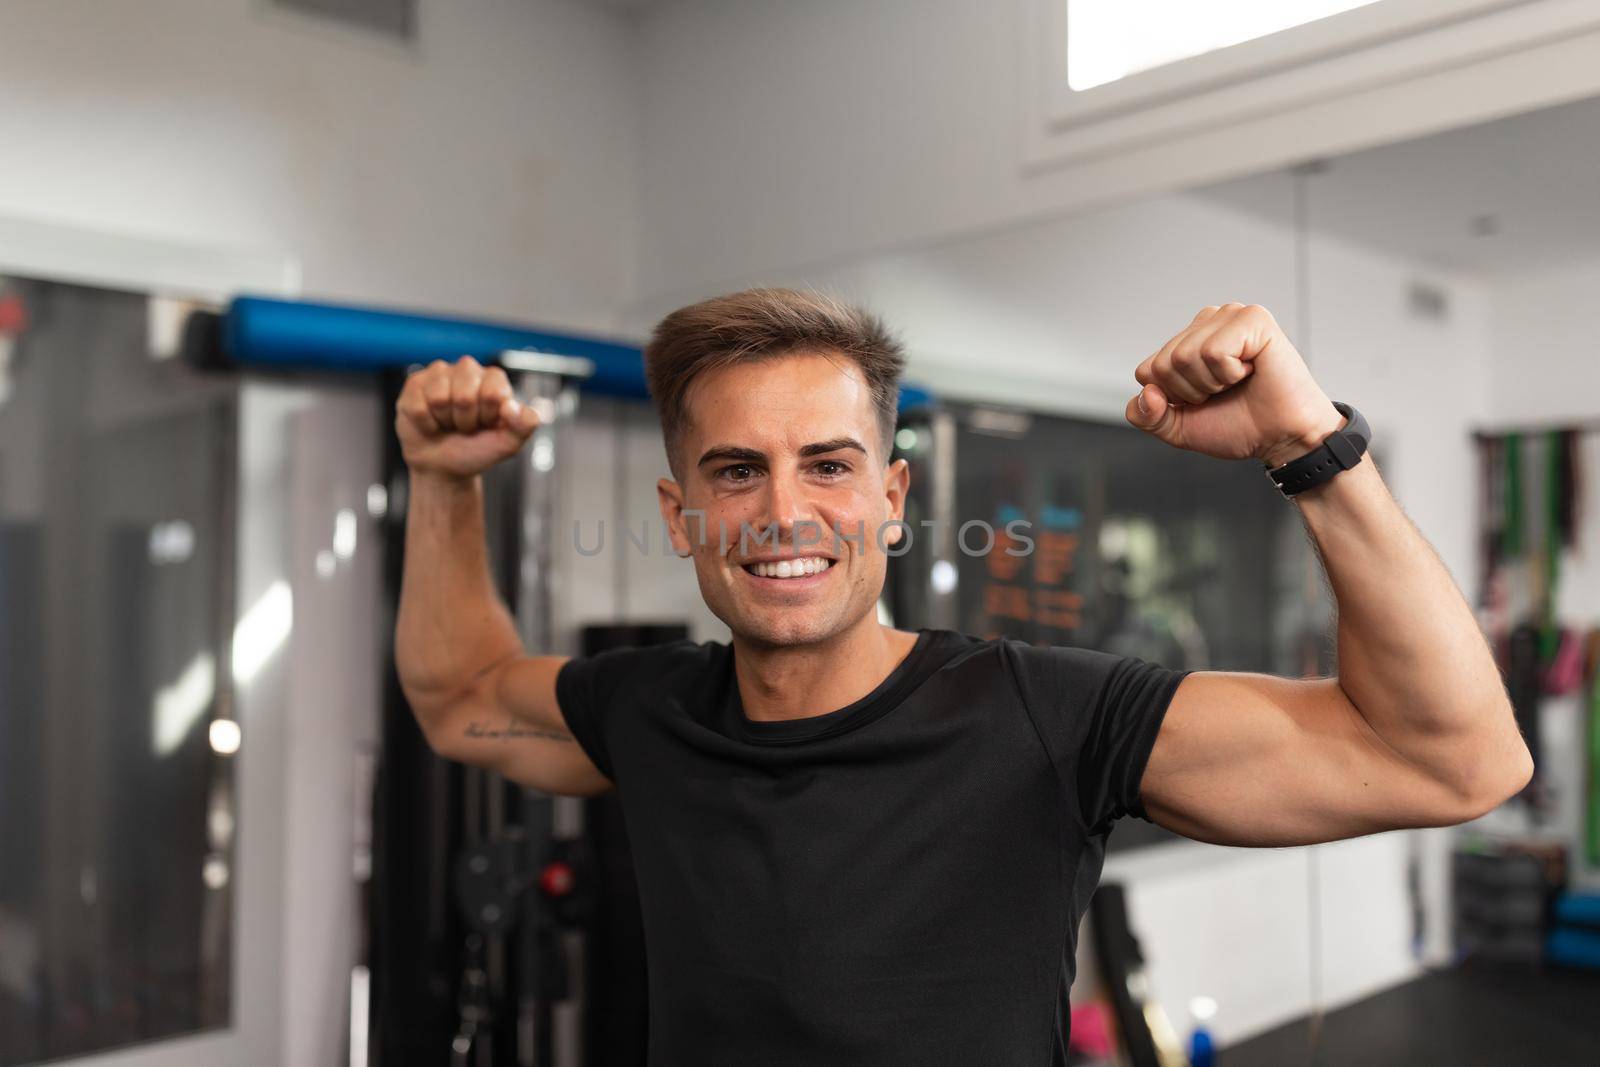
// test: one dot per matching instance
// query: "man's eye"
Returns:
(832, 468)
(738, 472)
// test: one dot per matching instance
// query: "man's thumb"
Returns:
(1149, 411)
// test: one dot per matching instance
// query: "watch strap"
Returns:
(1340, 451)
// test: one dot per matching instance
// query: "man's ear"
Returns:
(669, 497)
(896, 483)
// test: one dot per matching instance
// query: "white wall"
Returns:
(490, 168)
(781, 135)
(1545, 363)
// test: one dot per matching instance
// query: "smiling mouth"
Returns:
(803, 567)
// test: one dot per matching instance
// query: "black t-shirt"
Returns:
(899, 881)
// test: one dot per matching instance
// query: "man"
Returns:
(860, 845)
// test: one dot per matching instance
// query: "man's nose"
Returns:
(787, 504)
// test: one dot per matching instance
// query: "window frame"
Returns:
(1339, 55)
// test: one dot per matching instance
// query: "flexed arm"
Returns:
(1416, 728)
(476, 693)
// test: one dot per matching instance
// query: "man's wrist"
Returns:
(443, 481)
(1304, 444)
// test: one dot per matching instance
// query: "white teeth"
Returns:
(796, 568)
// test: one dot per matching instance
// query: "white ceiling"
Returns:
(1514, 195)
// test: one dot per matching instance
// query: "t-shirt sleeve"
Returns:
(1098, 715)
(596, 693)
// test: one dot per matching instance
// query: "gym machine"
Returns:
(481, 889)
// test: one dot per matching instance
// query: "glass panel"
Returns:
(116, 549)
(1449, 283)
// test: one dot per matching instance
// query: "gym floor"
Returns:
(1474, 1014)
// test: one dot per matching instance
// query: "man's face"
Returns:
(787, 452)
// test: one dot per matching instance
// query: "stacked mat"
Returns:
(1574, 939)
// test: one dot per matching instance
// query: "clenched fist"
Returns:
(1232, 386)
(460, 418)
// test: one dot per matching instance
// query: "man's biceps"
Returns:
(1224, 728)
(1261, 760)
(526, 689)
(1223, 716)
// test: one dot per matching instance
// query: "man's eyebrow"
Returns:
(752, 455)
(835, 445)
(734, 452)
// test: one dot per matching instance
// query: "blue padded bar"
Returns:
(913, 397)
(282, 333)
(262, 331)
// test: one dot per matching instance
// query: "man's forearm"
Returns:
(451, 623)
(1411, 656)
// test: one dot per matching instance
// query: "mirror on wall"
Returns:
(116, 554)
(1448, 284)
(1445, 287)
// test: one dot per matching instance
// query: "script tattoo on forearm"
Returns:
(512, 731)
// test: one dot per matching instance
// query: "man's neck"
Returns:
(801, 681)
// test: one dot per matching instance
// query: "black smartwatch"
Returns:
(1341, 450)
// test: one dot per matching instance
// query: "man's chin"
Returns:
(769, 628)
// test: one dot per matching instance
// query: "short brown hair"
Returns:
(760, 324)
